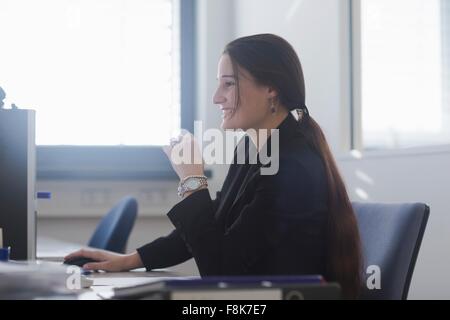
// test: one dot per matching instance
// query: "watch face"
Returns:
(192, 183)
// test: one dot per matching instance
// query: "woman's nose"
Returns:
(218, 98)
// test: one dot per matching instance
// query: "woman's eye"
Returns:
(229, 84)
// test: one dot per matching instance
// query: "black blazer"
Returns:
(258, 224)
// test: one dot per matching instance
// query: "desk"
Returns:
(52, 250)
(105, 282)
(49, 249)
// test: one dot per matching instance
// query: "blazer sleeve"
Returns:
(259, 226)
(169, 250)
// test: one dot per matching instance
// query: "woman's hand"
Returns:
(108, 261)
(185, 156)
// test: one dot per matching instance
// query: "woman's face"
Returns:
(254, 104)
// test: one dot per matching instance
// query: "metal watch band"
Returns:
(183, 188)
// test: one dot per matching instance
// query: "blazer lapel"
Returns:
(251, 173)
(288, 128)
(234, 179)
(239, 181)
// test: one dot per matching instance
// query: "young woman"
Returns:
(297, 221)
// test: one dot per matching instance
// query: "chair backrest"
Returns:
(391, 236)
(114, 229)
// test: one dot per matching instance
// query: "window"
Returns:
(402, 72)
(103, 75)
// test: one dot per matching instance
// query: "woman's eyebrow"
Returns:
(228, 76)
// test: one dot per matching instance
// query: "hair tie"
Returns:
(301, 113)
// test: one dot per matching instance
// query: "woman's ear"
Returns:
(272, 93)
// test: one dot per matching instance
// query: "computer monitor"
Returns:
(17, 182)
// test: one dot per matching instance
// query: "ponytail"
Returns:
(344, 244)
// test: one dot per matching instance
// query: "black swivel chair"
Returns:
(391, 236)
(114, 229)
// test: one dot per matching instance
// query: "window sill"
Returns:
(393, 153)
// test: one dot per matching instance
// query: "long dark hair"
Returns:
(272, 61)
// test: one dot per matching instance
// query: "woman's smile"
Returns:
(226, 112)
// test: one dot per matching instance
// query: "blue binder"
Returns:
(234, 287)
(240, 281)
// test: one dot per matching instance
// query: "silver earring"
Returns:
(272, 108)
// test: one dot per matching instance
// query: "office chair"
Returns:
(391, 236)
(114, 229)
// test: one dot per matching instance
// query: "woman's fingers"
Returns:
(110, 263)
(103, 260)
(184, 155)
(183, 150)
(96, 266)
(174, 141)
(85, 253)
(73, 255)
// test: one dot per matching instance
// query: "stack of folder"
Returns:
(302, 287)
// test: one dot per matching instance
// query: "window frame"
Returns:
(355, 138)
(355, 79)
(129, 162)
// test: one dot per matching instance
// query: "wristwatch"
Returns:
(191, 183)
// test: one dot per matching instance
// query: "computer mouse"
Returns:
(79, 261)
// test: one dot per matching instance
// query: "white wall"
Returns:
(318, 30)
